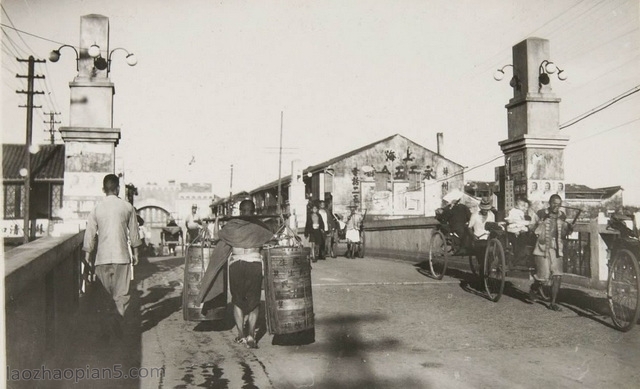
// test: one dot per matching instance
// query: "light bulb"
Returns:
(132, 60)
(94, 51)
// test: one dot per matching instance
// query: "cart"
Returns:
(623, 284)
(171, 236)
(444, 244)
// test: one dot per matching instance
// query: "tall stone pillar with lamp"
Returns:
(90, 139)
(534, 160)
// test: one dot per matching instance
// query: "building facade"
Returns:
(46, 188)
(391, 178)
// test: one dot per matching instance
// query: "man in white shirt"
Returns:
(115, 223)
(193, 224)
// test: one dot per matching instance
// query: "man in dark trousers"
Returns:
(115, 223)
(240, 242)
(327, 219)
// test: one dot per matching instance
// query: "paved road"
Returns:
(384, 324)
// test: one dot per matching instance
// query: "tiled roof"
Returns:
(582, 191)
(47, 163)
(351, 153)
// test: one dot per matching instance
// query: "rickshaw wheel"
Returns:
(438, 255)
(494, 270)
(623, 290)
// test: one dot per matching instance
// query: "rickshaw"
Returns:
(444, 244)
(623, 284)
(502, 257)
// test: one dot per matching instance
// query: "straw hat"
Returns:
(454, 195)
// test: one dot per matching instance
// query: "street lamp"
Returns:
(546, 68)
(94, 52)
(499, 75)
(54, 56)
(101, 64)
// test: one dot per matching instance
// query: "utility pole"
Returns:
(29, 232)
(51, 122)
(231, 182)
(279, 206)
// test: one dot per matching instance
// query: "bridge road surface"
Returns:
(379, 324)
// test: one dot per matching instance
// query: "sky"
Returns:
(214, 78)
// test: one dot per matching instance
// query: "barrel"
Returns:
(288, 296)
(196, 262)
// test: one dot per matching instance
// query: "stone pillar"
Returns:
(90, 139)
(297, 200)
(534, 151)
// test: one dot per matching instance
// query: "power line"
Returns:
(19, 51)
(47, 87)
(33, 35)
(14, 27)
(485, 68)
(603, 131)
(600, 107)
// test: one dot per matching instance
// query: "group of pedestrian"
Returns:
(323, 228)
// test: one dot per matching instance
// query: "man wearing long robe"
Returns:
(240, 242)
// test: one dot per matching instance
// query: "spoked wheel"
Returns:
(623, 290)
(494, 270)
(438, 255)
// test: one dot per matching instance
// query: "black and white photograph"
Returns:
(320, 194)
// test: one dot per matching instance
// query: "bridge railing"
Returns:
(43, 283)
(406, 238)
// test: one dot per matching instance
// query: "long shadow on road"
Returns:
(99, 361)
(583, 303)
(347, 351)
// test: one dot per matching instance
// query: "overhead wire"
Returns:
(603, 131)
(600, 107)
(50, 95)
(494, 63)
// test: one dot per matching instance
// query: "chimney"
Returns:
(440, 142)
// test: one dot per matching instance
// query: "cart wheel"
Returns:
(361, 246)
(623, 290)
(494, 269)
(438, 255)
